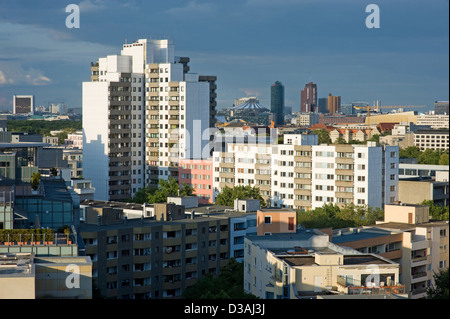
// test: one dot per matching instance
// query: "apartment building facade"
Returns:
(304, 175)
(435, 121)
(155, 257)
(142, 112)
(198, 174)
(432, 139)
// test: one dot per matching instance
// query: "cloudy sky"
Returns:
(247, 44)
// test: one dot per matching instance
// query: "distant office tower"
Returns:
(277, 102)
(347, 109)
(308, 98)
(441, 107)
(334, 104)
(23, 104)
(323, 105)
(142, 112)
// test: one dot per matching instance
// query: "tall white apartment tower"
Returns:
(142, 112)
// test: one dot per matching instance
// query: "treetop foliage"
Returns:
(333, 216)
(42, 127)
(429, 156)
(228, 195)
(229, 284)
(152, 194)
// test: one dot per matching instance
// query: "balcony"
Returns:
(357, 288)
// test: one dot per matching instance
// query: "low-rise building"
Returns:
(406, 236)
(307, 265)
(26, 276)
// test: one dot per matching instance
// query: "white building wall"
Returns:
(95, 136)
(323, 175)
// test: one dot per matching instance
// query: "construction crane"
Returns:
(376, 107)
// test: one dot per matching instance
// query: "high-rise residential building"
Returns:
(308, 98)
(142, 112)
(304, 175)
(333, 104)
(277, 102)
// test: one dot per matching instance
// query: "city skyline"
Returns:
(248, 45)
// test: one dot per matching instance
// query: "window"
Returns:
(268, 220)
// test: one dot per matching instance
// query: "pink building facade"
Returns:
(199, 174)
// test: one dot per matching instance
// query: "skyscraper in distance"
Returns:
(334, 104)
(277, 102)
(308, 98)
(323, 105)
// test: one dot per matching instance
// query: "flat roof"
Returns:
(309, 260)
(143, 222)
(56, 189)
(301, 234)
(364, 233)
(23, 145)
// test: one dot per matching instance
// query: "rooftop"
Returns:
(143, 222)
(363, 259)
(360, 234)
(16, 264)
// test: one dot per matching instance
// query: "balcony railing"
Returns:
(24, 239)
(356, 288)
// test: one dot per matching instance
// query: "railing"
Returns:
(27, 239)
(382, 290)
(356, 288)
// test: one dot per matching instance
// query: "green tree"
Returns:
(35, 180)
(333, 216)
(440, 289)
(228, 195)
(280, 139)
(375, 138)
(430, 157)
(410, 152)
(437, 212)
(444, 160)
(151, 194)
(62, 137)
(229, 284)
(43, 127)
(340, 140)
(324, 136)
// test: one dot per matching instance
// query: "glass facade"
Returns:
(51, 213)
(277, 102)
